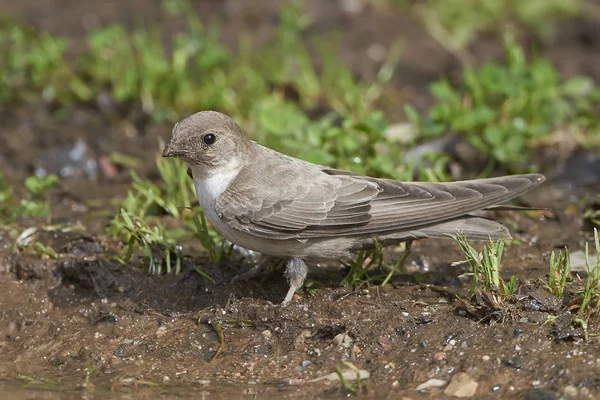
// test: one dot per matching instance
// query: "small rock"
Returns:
(342, 339)
(485, 358)
(439, 356)
(432, 383)
(161, 331)
(314, 352)
(306, 363)
(539, 394)
(347, 375)
(515, 362)
(578, 261)
(352, 6)
(13, 327)
(299, 340)
(461, 385)
(570, 392)
(385, 342)
(266, 334)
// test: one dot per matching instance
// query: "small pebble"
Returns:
(161, 331)
(352, 6)
(461, 385)
(539, 394)
(570, 391)
(314, 352)
(342, 339)
(432, 383)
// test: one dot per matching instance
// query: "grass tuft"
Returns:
(560, 267)
(591, 290)
(485, 267)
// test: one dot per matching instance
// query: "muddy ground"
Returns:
(84, 325)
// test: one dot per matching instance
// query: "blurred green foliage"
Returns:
(35, 204)
(456, 23)
(324, 115)
(33, 65)
(503, 108)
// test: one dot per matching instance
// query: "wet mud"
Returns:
(85, 325)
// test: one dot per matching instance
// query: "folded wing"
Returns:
(300, 200)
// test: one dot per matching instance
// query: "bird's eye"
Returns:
(209, 138)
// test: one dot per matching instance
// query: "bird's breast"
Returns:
(208, 190)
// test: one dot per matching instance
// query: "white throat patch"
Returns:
(208, 189)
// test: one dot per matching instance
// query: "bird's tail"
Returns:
(474, 228)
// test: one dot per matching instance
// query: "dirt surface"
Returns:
(83, 325)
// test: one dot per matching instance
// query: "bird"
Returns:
(287, 208)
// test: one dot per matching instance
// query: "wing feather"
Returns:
(284, 198)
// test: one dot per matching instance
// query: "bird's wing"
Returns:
(294, 196)
(403, 206)
(300, 200)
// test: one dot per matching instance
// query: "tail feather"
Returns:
(474, 228)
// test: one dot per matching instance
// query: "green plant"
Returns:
(359, 266)
(486, 264)
(505, 110)
(560, 266)
(399, 263)
(33, 66)
(456, 23)
(6, 196)
(348, 384)
(365, 261)
(592, 280)
(137, 223)
(218, 248)
(173, 193)
(158, 249)
(35, 204)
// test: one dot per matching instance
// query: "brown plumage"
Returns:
(285, 207)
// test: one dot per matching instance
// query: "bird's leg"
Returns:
(263, 262)
(295, 272)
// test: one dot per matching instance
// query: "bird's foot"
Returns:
(295, 272)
